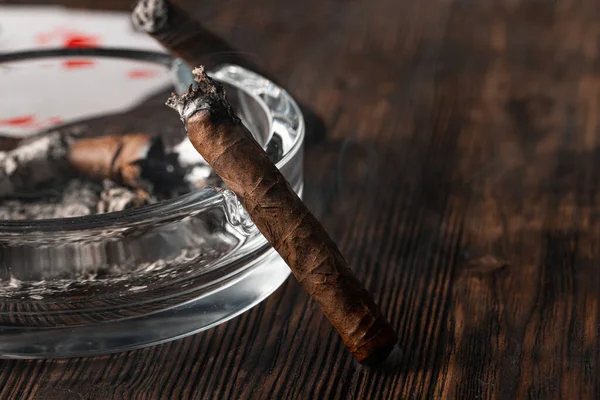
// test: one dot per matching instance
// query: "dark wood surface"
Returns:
(460, 174)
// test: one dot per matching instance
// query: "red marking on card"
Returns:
(142, 73)
(71, 64)
(19, 121)
(68, 39)
(75, 40)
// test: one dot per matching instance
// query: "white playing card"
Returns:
(51, 92)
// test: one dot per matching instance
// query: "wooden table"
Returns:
(459, 172)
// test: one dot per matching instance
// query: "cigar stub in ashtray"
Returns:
(136, 160)
(35, 172)
(111, 157)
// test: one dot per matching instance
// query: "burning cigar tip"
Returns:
(207, 94)
(186, 105)
(200, 74)
(151, 16)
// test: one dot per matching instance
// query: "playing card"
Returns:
(50, 92)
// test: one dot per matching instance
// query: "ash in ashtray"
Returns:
(58, 175)
(78, 197)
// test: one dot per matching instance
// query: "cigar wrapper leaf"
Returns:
(280, 215)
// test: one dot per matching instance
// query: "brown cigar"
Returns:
(111, 157)
(136, 160)
(220, 137)
(189, 40)
(185, 37)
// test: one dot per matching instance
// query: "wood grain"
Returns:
(460, 176)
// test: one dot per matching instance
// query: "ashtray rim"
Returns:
(176, 207)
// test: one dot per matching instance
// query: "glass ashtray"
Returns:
(122, 280)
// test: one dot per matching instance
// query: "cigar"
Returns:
(281, 216)
(136, 160)
(189, 40)
(183, 36)
(35, 166)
